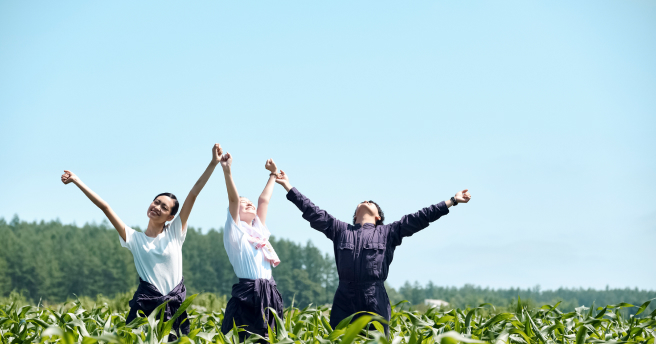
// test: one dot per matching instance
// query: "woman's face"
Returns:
(247, 210)
(160, 209)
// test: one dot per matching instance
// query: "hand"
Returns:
(463, 196)
(271, 166)
(69, 177)
(216, 153)
(283, 179)
(226, 160)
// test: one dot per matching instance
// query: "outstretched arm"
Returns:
(233, 195)
(70, 177)
(263, 201)
(319, 219)
(413, 223)
(198, 187)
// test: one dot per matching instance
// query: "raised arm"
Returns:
(319, 219)
(233, 195)
(263, 201)
(413, 223)
(198, 187)
(70, 177)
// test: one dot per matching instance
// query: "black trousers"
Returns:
(352, 297)
(147, 298)
(248, 306)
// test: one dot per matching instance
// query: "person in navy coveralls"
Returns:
(365, 248)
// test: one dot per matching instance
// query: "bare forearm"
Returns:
(193, 194)
(200, 184)
(287, 186)
(99, 202)
(268, 189)
(263, 202)
(233, 195)
(448, 203)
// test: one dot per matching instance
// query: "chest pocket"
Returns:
(344, 257)
(346, 245)
(374, 253)
(345, 252)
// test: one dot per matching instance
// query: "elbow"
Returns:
(104, 207)
(262, 200)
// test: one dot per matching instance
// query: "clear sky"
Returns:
(546, 111)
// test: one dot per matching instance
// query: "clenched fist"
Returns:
(216, 153)
(226, 160)
(68, 177)
(271, 166)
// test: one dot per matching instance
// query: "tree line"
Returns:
(470, 295)
(54, 262)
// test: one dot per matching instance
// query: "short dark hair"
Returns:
(380, 212)
(174, 210)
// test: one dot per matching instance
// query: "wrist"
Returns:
(214, 163)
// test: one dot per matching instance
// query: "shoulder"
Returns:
(230, 221)
(230, 224)
(385, 229)
(132, 234)
(342, 225)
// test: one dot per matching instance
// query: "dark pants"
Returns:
(147, 298)
(352, 297)
(248, 306)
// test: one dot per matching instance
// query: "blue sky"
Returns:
(545, 111)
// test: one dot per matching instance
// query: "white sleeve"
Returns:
(129, 234)
(176, 230)
(232, 235)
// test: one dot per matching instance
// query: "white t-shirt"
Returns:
(158, 260)
(247, 261)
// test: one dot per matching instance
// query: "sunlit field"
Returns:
(79, 322)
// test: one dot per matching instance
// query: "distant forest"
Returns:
(53, 261)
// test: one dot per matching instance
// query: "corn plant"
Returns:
(71, 323)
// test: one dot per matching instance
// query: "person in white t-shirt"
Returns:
(246, 240)
(157, 252)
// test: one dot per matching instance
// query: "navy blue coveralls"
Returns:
(363, 254)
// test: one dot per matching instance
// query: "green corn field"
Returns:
(71, 323)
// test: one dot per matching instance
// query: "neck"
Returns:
(247, 219)
(365, 218)
(154, 228)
